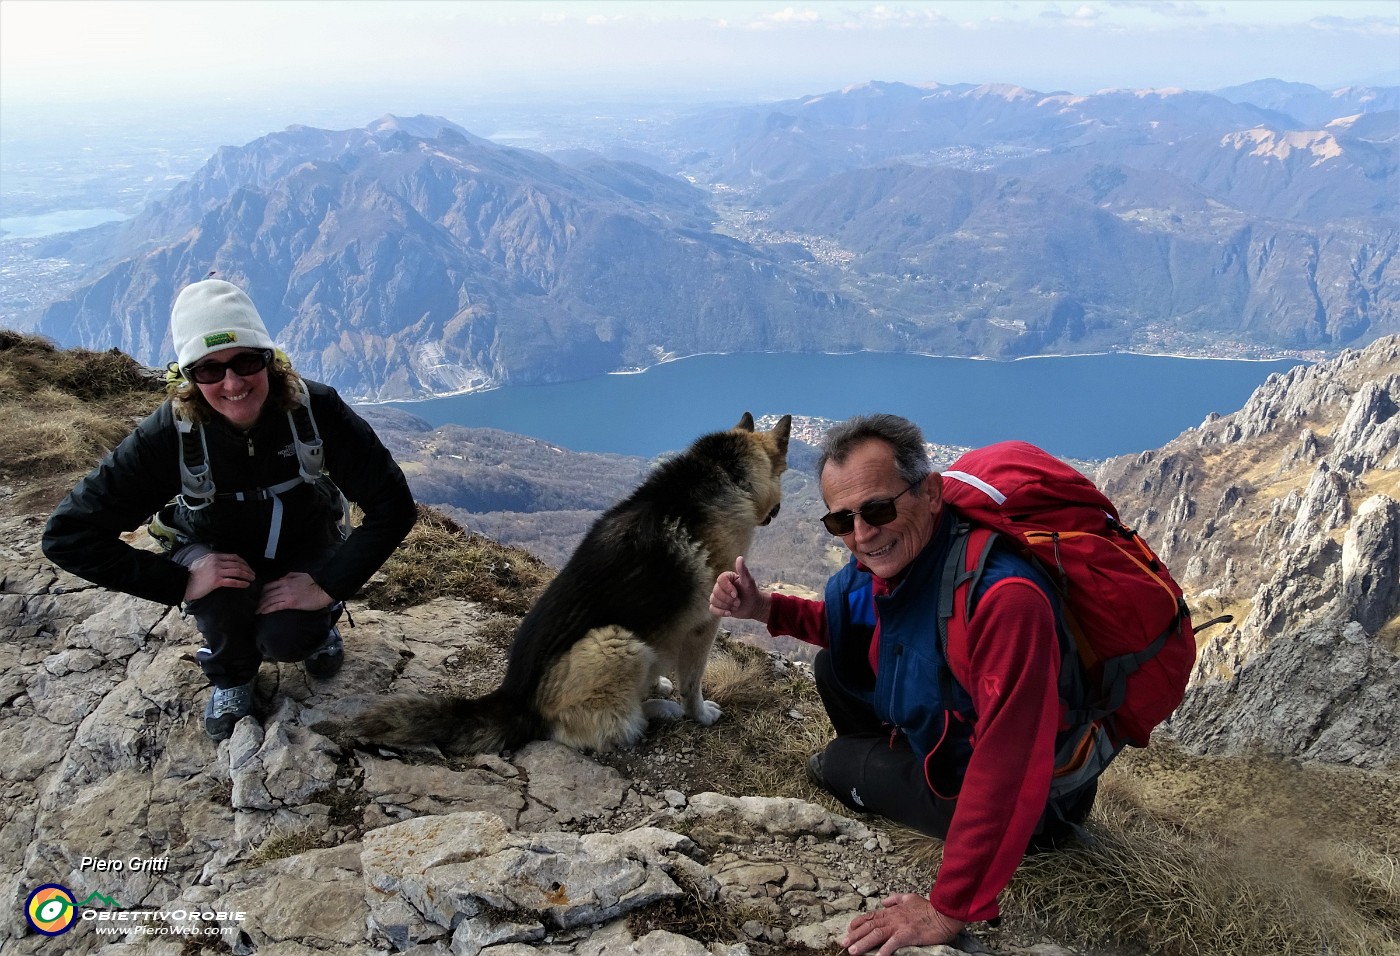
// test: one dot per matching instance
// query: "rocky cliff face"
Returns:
(1286, 514)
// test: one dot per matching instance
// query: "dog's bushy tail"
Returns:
(458, 725)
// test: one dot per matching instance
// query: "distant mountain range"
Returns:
(392, 262)
(411, 258)
(1309, 105)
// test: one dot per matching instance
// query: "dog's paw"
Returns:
(662, 710)
(709, 713)
(664, 687)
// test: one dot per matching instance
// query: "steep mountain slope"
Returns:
(1286, 514)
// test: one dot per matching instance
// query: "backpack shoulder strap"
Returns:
(196, 480)
(196, 477)
(311, 453)
(967, 559)
(306, 436)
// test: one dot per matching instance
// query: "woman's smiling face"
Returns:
(238, 398)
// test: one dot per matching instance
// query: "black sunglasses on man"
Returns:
(874, 513)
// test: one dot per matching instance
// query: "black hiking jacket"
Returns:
(142, 474)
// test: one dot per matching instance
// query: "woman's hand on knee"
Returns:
(217, 570)
(297, 591)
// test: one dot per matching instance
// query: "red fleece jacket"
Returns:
(1010, 667)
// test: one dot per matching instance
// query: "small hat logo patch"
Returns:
(220, 338)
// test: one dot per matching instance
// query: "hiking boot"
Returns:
(814, 771)
(226, 707)
(324, 662)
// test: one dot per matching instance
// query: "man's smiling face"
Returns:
(869, 474)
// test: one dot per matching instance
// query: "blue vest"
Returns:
(913, 674)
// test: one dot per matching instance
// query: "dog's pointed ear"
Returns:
(781, 432)
(745, 423)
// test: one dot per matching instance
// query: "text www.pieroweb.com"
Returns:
(154, 922)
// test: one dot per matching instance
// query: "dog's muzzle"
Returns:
(772, 514)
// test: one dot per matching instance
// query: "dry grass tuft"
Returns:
(1174, 888)
(777, 723)
(32, 363)
(773, 720)
(285, 843)
(64, 409)
(735, 680)
(440, 558)
(59, 439)
(696, 914)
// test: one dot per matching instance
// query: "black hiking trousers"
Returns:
(870, 773)
(237, 639)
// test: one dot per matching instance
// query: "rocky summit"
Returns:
(277, 841)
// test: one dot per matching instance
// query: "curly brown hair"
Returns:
(283, 390)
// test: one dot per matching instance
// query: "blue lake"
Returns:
(1091, 406)
(52, 223)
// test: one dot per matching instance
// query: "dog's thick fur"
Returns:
(630, 607)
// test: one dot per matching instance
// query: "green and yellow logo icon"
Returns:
(51, 910)
(220, 338)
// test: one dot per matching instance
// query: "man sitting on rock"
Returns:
(982, 785)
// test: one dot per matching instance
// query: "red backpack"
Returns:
(1129, 644)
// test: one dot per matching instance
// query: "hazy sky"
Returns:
(65, 51)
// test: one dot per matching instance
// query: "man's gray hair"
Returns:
(902, 435)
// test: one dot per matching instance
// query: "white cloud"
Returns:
(1369, 26)
(791, 15)
(1165, 8)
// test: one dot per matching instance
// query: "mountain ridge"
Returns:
(509, 265)
(410, 258)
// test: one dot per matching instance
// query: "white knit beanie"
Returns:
(212, 315)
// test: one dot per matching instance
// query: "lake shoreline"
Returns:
(672, 360)
(1086, 407)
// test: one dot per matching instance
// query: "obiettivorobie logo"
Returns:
(51, 910)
